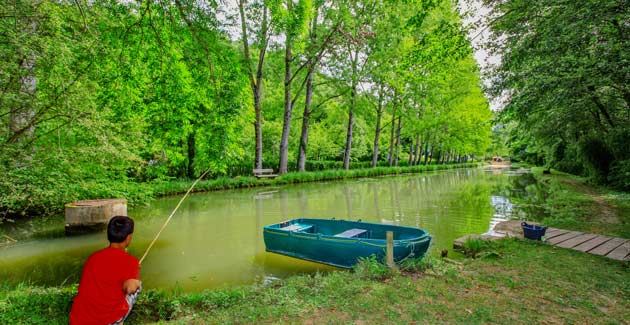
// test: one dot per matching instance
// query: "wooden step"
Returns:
(608, 247)
(576, 240)
(591, 244)
(556, 240)
(620, 253)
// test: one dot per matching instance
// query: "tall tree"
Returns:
(295, 18)
(256, 78)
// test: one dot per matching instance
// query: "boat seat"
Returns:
(353, 233)
(298, 227)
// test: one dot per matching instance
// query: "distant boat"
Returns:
(340, 242)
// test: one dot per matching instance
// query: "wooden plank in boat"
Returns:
(576, 241)
(589, 245)
(620, 252)
(556, 240)
(608, 247)
(351, 233)
(296, 227)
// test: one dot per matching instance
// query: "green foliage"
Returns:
(567, 82)
(115, 99)
(473, 247)
(372, 269)
(619, 176)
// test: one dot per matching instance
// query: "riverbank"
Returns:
(568, 202)
(512, 281)
(226, 183)
(42, 200)
(517, 281)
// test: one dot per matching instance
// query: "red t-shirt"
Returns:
(101, 299)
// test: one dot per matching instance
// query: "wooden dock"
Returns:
(615, 248)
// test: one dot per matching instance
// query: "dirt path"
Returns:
(607, 212)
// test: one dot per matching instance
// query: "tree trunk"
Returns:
(398, 138)
(411, 154)
(353, 94)
(305, 125)
(286, 123)
(191, 155)
(600, 105)
(346, 156)
(307, 101)
(21, 119)
(377, 133)
(255, 82)
(418, 151)
(391, 139)
(426, 152)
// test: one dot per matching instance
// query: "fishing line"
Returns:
(171, 216)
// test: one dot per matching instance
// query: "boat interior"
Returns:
(347, 229)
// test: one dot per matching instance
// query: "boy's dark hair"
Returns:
(119, 228)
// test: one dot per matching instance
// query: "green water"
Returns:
(215, 239)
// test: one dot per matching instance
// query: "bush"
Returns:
(597, 157)
(373, 269)
(619, 176)
(473, 247)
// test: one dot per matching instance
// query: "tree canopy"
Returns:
(565, 70)
(97, 97)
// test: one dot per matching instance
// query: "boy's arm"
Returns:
(131, 285)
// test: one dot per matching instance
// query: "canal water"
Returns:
(215, 239)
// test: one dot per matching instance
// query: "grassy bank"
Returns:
(37, 197)
(224, 183)
(567, 201)
(519, 281)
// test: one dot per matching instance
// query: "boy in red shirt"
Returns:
(111, 280)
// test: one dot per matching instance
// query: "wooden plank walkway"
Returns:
(615, 248)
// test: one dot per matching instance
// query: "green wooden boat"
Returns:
(341, 242)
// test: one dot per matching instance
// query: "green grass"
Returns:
(523, 282)
(569, 202)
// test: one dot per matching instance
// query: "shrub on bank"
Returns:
(26, 195)
(225, 183)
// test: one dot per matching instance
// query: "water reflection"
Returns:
(216, 238)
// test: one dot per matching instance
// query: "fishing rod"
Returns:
(171, 216)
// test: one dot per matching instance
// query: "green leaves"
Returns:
(565, 71)
(115, 93)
